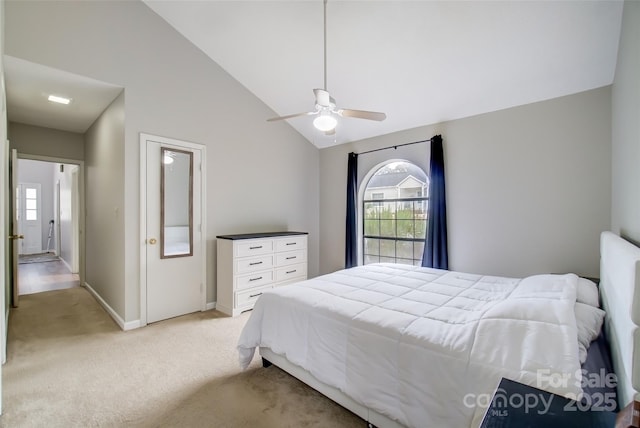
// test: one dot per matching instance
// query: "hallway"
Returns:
(50, 275)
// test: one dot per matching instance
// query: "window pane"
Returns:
(420, 207)
(388, 210)
(387, 260)
(404, 250)
(421, 228)
(387, 248)
(405, 261)
(371, 259)
(31, 204)
(388, 228)
(371, 210)
(371, 246)
(32, 215)
(31, 193)
(418, 250)
(372, 227)
(405, 228)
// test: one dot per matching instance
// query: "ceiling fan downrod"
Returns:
(325, 45)
(325, 106)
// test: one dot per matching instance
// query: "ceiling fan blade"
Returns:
(309, 113)
(322, 97)
(362, 114)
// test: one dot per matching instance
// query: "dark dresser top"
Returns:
(259, 235)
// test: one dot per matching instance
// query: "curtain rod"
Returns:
(400, 145)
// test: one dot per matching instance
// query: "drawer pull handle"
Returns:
(291, 271)
(292, 257)
(255, 279)
(255, 263)
(291, 243)
(254, 295)
(255, 248)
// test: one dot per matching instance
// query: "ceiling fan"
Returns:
(325, 106)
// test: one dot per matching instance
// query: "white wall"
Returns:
(528, 188)
(625, 212)
(105, 210)
(172, 90)
(32, 171)
(35, 140)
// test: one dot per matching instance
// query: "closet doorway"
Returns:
(48, 209)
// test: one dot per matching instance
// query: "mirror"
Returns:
(176, 200)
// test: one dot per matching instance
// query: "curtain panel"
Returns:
(351, 238)
(435, 250)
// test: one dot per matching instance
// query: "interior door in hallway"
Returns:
(174, 245)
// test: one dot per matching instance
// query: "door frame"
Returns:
(145, 139)
(79, 221)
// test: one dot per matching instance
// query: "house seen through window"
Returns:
(395, 214)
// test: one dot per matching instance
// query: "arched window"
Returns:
(394, 214)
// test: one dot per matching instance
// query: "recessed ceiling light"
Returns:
(60, 100)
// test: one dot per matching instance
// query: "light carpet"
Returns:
(69, 365)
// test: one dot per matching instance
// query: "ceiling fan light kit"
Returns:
(325, 122)
(326, 111)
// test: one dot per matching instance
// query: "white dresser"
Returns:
(248, 264)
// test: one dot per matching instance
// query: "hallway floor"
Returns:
(45, 276)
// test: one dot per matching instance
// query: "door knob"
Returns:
(152, 241)
(16, 236)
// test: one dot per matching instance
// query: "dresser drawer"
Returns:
(246, 299)
(255, 280)
(290, 243)
(253, 248)
(253, 264)
(291, 272)
(291, 258)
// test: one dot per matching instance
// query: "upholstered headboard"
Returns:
(620, 293)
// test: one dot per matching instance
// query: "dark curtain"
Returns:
(351, 244)
(435, 249)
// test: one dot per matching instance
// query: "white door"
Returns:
(15, 226)
(28, 210)
(174, 247)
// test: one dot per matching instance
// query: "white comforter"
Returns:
(422, 345)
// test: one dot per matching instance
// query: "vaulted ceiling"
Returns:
(420, 62)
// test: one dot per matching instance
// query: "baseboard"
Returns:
(130, 325)
(210, 305)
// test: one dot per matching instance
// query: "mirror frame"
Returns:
(163, 165)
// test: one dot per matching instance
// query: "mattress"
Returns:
(424, 347)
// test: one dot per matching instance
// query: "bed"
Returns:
(406, 346)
